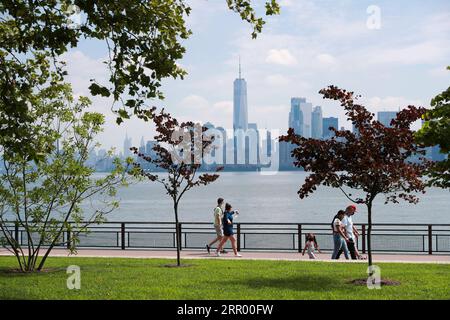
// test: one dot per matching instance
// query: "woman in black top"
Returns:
(227, 223)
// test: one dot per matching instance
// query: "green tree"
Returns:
(179, 153)
(44, 199)
(373, 162)
(436, 132)
(143, 38)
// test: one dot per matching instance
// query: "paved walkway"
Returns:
(201, 254)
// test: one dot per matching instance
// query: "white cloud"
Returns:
(427, 52)
(326, 60)
(390, 103)
(195, 102)
(277, 80)
(281, 56)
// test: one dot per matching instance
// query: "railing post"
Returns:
(122, 235)
(179, 236)
(16, 232)
(68, 239)
(299, 232)
(430, 239)
(363, 238)
(238, 237)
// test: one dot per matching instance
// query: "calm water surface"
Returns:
(270, 198)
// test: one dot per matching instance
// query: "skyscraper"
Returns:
(296, 115)
(252, 144)
(385, 117)
(142, 146)
(300, 116)
(306, 109)
(240, 109)
(316, 123)
(240, 118)
(127, 146)
(327, 124)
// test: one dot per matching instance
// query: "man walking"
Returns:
(351, 231)
(218, 216)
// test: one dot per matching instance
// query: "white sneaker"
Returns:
(238, 255)
(217, 254)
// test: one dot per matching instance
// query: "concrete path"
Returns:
(247, 255)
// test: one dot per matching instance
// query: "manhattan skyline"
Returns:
(311, 45)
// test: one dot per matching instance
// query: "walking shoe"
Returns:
(238, 255)
(217, 254)
(208, 248)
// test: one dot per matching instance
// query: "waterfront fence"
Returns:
(407, 238)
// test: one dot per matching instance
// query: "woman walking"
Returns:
(339, 237)
(227, 223)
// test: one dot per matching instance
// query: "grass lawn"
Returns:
(114, 278)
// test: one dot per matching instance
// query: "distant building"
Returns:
(240, 116)
(327, 124)
(149, 147)
(436, 154)
(385, 117)
(317, 123)
(252, 144)
(127, 144)
(269, 143)
(355, 130)
(142, 146)
(240, 108)
(208, 125)
(296, 115)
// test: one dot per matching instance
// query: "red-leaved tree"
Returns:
(378, 160)
(178, 152)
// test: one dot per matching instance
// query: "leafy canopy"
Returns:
(45, 199)
(144, 39)
(436, 132)
(377, 160)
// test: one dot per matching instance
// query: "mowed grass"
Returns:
(114, 278)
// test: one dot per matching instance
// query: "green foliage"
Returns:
(436, 132)
(44, 198)
(247, 13)
(144, 40)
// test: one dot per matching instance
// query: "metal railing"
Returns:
(413, 238)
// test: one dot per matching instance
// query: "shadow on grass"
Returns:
(15, 272)
(296, 283)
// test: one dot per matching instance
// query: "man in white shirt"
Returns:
(218, 215)
(351, 231)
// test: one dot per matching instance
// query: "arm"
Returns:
(356, 232)
(318, 249)
(342, 233)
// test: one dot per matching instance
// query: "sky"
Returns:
(392, 53)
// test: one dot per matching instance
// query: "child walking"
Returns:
(311, 245)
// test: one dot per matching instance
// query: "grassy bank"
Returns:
(114, 278)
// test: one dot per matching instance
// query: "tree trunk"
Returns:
(369, 232)
(177, 233)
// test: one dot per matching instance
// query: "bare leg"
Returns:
(233, 244)
(215, 240)
(221, 244)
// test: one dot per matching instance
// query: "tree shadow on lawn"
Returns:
(298, 283)
(15, 272)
